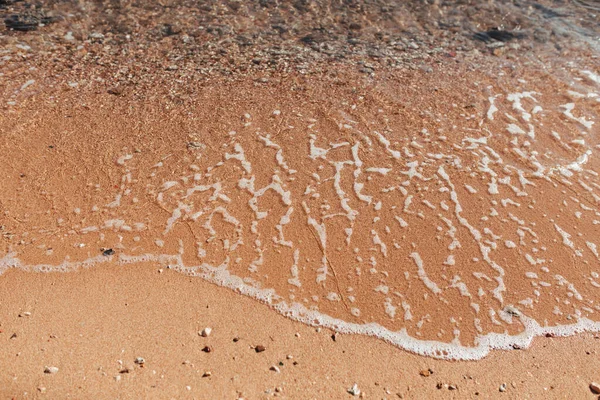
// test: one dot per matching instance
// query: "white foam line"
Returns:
(221, 276)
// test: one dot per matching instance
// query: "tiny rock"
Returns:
(354, 390)
(260, 348)
(274, 368)
(207, 349)
(25, 314)
(205, 332)
(502, 387)
(50, 370)
(140, 361)
(595, 388)
(108, 252)
(207, 374)
(426, 372)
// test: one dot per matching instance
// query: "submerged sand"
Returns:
(447, 213)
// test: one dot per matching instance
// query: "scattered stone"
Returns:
(354, 390)
(13, 336)
(595, 388)
(50, 370)
(236, 339)
(107, 252)
(452, 387)
(140, 361)
(502, 387)
(41, 389)
(115, 91)
(118, 378)
(25, 314)
(125, 370)
(205, 332)
(260, 348)
(207, 374)
(275, 368)
(207, 349)
(426, 372)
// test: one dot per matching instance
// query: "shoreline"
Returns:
(123, 312)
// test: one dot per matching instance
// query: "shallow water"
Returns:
(447, 229)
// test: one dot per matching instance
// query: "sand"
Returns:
(93, 323)
(409, 173)
(88, 323)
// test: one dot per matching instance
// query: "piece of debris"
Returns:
(50, 370)
(207, 374)
(354, 390)
(107, 252)
(274, 368)
(205, 332)
(595, 388)
(24, 314)
(140, 361)
(207, 349)
(502, 387)
(426, 372)
(260, 348)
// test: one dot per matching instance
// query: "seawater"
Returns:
(478, 231)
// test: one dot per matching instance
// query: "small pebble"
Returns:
(50, 370)
(108, 252)
(205, 332)
(25, 314)
(595, 388)
(260, 348)
(274, 368)
(502, 387)
(139, 361)
(354, 390)
(426, 372)
(207, 349)
(207, 374)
